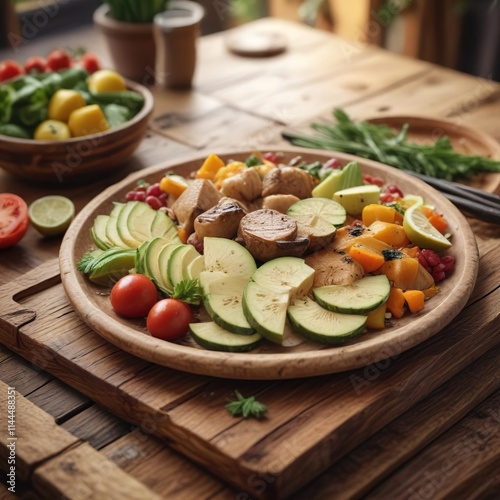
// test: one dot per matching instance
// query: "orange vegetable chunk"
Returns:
(182, 233)
(376, 212)
(401, 272)
(396, 302)
(376, 318)
(439, 223)
(170, 186)
(392, 234)
(367, 257)
(415, 300)
(210, 167)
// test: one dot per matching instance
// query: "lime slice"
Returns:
(51, 215)
(421, 232)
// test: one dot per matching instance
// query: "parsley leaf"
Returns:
(188, 291)
(246, 407)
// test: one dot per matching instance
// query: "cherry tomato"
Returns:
(90, 62)
(35, 64)
(9, 69)
(14, 219)
(133, 296)
(58, 59)
(169, 319)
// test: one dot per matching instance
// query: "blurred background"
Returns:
(459, 34)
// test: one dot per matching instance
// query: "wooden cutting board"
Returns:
(311, 423)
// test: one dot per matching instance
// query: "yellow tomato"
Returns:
(106, 80)
(52, 130)
(87, 120)
(63, 103)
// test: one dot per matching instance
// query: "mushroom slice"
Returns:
(244, 186)
(221, 221)
(198, 197)
(279, 202)
(288, 180)
(334, 268)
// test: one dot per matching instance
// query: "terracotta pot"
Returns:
(131, 45)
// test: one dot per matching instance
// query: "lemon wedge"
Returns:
(51, 215)
(421, 232)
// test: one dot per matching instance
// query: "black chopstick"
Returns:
(460, 190)
(473, 202)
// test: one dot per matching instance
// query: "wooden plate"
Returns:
(269, 361)
(425, 130)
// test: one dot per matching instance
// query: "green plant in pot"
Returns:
(127, 26)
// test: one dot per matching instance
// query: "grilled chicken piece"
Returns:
(288, 180)
(221, 221)
(334, 268)
(279, 202)
(244, 186)
(198, 197)
(268, 234)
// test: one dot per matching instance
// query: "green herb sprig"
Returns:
(246, 407)
(380, 143)
(188, 291)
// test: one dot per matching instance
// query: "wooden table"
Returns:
(435, 432)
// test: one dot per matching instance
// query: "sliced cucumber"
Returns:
(195, 267)
(328, 209)
(164, 227)
(122, 225)
(152, 262)
(139, 257)
(140, 220)
(163, 260)
(223, 300)
(112, 226)
(321, 325)
(360, 297)
(356, 198)
(178, 262)
(291, 272)
(265, 308)
(98, 232)
(228, 257)
(211, 336)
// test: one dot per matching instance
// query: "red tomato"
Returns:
(14, 219)
(9, 69)
(133, 296)
(169, 319)
(35, 64)
(90, 62)
(58, 59)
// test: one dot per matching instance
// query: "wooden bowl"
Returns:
(78, 159)
(268, 361)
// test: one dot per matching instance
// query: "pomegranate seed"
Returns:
(141, 188)
(154, 202)
(439, 267)
(130, 196)
(163, 198)
(448, 262)
(367, 179)
(438, 276)
(332, 163)
(378, 181)
(386, 198)
(431, 257)
(140, 195)
(273, 157)
(154, 190)
(393, 189)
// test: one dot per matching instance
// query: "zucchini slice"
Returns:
(360, 297)
(211, 336)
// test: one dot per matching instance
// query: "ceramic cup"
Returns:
(176, 31)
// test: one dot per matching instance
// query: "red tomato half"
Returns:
(9, 69)
(14, 219)
(133, 296)
(35, 64)
(58, 59)
(169, 319)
